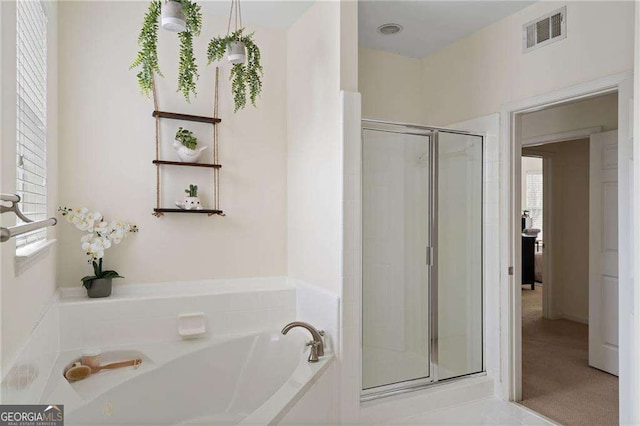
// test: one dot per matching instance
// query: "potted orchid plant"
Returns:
(99, 236)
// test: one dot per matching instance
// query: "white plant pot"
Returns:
(172, 16)
(187, 155)
(236, 52)
(190, 203)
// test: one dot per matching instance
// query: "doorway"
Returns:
(560, 377)
(569, 264)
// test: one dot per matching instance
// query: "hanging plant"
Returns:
(246, 70)
(183, 16)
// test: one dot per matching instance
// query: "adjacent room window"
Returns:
(534, 199)
(31, 112)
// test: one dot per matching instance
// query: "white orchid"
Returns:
(100, 236)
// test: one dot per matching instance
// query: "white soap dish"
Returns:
(192, 326)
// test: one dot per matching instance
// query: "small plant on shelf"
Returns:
(191, 201)
(246, 70)
(185, 145)
(186, 138)
(190, 18)
(192, 191)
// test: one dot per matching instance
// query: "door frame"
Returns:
(510, 299)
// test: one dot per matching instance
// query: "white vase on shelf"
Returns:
(190, 203)
(187, 155)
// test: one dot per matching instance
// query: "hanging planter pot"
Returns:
(236, 52)
(246, 71)
(182, 16)
(172, 16)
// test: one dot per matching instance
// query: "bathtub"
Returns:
(251, 379)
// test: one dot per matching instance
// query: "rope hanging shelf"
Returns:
(215, 166)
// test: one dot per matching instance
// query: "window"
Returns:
(534, 199)
(31, 112)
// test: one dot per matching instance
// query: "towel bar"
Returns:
(30, 225)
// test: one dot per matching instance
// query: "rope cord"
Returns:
(230, 15)
(216, 172)
(237, 17)
(155, 106)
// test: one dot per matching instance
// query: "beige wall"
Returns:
(314, 151)
(391, 86)
(107, 136)
(599, 111)
(570, 222)
(477, 75)
(25, 297)
(349, 45)
(482, 72)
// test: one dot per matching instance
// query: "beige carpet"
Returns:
(556, 378)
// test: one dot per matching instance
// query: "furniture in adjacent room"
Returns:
(528, 260)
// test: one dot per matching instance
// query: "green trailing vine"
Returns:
(147, 58)
(187, 69)
(247, 76)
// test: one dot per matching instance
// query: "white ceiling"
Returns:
(428, 25)
(265, 13)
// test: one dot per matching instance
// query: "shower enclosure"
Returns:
(422, 256)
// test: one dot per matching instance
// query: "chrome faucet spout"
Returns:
(317, 345)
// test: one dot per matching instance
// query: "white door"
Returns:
(603, 252)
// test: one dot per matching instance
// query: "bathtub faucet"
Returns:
(317, 345)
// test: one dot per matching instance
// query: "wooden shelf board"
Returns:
(186, 117)
(209, 212)
(180, 163)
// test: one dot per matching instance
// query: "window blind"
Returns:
(31, 112)
(534, 199)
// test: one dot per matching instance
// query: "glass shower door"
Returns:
(422, 300)
(396, 182)
(457, 229)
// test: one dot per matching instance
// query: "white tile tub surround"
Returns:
(320, 308)
(148, 313)
(144, 318)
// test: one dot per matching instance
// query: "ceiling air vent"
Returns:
(544, 30)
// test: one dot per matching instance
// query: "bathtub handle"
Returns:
(313, 353)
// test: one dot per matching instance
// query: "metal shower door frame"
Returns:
(432, 258)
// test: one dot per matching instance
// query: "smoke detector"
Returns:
(389, 29)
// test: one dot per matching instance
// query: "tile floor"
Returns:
(490, 411)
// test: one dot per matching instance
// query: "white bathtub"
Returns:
(253, 379)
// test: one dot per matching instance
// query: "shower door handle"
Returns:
(429, 256)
